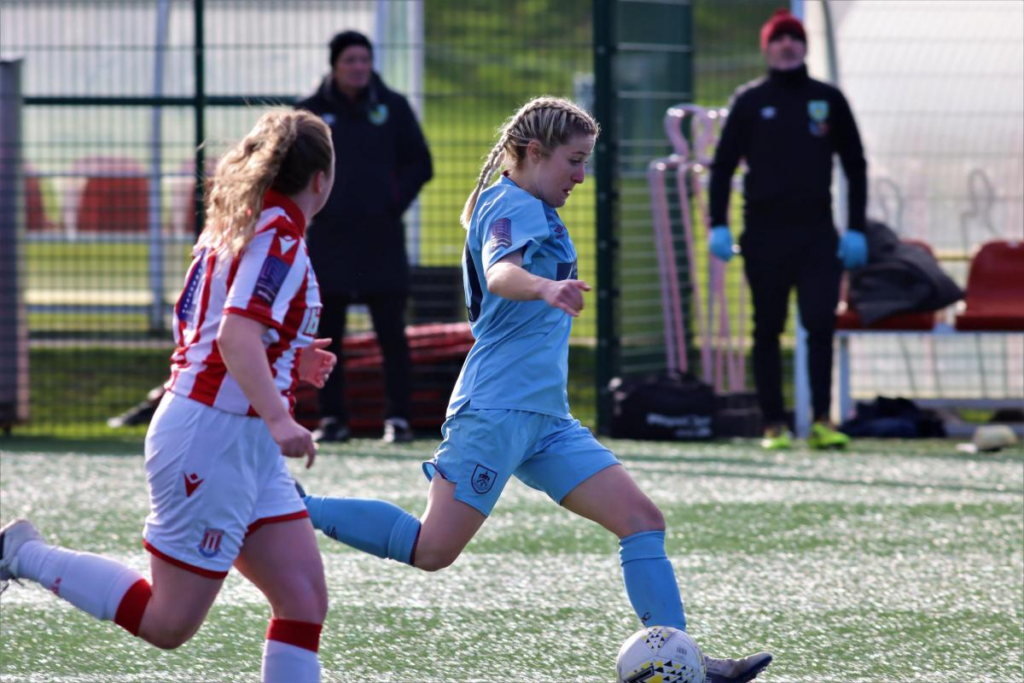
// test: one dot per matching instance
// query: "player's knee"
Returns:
(303, 599)
(644, 517)
(434, 559)
(171, 633)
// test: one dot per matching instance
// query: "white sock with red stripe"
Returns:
(290, 653)
(102, 587)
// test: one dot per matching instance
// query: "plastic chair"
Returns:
(36, 217)
(995, 289)
(114, 195)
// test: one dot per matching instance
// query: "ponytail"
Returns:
(282, 152)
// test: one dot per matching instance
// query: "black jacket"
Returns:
(787, 126)
(899, 278)
(357, 242)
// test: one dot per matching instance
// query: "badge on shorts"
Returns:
(483, 479)
(210, 545)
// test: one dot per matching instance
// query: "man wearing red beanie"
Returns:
(787, 126)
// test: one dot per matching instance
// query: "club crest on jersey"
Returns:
(210, 545)
(768, 113)
(329, 118)
(270, 280)
(501, 233)
(818, 110)
(379, 115)
(483, 479)
(560, 232)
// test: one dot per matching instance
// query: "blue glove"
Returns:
(720, 243)
(853, 249)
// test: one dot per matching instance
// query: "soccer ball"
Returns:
(660, 654)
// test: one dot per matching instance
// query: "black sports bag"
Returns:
(664, 407)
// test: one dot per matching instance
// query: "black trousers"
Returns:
(777, 259)
(387, 311)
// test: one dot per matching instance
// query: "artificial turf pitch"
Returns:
(890, 562)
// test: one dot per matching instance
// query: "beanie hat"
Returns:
(780, 23)
(347, 39)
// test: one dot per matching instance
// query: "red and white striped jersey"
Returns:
(271, 281)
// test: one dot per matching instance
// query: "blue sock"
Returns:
(373, 526)
(650, 581)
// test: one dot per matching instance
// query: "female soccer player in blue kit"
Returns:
(509, 411)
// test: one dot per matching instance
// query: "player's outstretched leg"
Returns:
(104, 588)
(385, 530)
(373, 526)
(110, 591)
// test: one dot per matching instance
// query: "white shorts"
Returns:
(214, 477)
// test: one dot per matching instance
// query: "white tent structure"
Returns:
(937, 87)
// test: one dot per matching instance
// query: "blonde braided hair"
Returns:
(551, 121)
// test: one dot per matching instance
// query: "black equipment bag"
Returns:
(664, 407)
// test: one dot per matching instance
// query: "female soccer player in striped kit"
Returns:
(219, 490)
(509, 412)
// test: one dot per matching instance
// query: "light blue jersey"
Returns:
(521, 357)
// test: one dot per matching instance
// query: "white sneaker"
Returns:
(736, 670)
(12, 537)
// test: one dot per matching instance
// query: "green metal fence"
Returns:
(127, 103)
(118, 96)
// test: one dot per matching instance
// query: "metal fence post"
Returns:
(199, 65)
(606, 162)
(156, 243)
(13, 323)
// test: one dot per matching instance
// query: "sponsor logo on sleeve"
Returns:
(272, 275)
(501, 233)
(187, 302)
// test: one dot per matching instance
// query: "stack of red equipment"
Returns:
(437, 350)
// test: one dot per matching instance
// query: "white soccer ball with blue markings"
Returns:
(660, 654)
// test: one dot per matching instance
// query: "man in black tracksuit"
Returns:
(357, 242)
(787, 127)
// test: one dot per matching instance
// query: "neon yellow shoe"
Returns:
(823, 437)
(777, 440)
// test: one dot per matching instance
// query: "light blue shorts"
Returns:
(483, 448)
